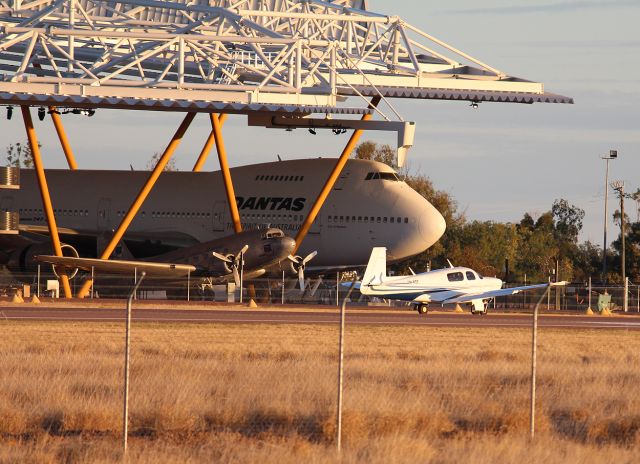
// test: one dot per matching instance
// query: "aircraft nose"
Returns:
(287, 245)
(432, 225)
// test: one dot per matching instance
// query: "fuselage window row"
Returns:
(280, 178)
(366, 219)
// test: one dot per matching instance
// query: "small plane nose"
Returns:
(432, 225)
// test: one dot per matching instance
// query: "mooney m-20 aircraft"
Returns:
(444, 286)
(368, 206)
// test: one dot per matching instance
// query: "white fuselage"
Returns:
(434, 286)
(362, 210)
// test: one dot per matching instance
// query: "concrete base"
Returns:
(589, 312)
(605, 312)
(458, 309)
(252, 304)
(35, 299)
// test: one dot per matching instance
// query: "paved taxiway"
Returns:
(311, 316)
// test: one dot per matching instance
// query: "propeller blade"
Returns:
(221, 257)
(301, 278)
(309, 257)
(244, 249)
(236, 276)
(293, 259)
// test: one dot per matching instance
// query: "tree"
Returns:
(170, 166)
(567, 220)
(19, 155)
(374, 152)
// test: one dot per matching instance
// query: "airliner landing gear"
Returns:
(422, 308)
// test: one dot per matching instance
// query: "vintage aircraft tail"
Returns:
(376, 269)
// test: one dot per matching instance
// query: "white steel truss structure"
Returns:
(243, 56)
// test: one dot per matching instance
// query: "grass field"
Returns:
(262, 393)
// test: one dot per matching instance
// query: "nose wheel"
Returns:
(422, 308)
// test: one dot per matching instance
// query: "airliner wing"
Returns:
(468, 297)
(118, 266)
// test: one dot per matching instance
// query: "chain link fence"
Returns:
(325, 290)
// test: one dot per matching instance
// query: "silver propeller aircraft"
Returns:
(444, 286)
(220, 260)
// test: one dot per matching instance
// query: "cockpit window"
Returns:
(382, 175)
(455, 276)
(471, 275)
(272, 233)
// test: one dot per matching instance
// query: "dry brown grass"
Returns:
(238, 393)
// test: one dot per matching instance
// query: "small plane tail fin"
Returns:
(377, 268)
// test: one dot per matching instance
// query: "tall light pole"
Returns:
(613, 154)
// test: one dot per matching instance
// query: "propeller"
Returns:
(234, 261)
(299, 264)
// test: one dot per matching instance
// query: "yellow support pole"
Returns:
(226, 174)
(44, 192)
(337, 169)
(57, 122)
(142, 195)
(204, 154)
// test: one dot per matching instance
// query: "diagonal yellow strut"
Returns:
(44, 192)
(66, 148)
(226, 173)
(142, 195)
(331, 180)
(204, 154)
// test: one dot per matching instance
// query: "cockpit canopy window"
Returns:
(382, 175)
(471, 275)
(272, 233)
(455, 276)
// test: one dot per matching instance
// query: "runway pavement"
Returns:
(376, 317)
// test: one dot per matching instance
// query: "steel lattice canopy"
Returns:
(292, 54)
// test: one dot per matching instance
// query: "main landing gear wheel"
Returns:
(422, 309)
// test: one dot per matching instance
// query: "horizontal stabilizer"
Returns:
(501, 292)
(118, 266)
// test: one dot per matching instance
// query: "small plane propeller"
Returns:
(299, 264)
(234, 261)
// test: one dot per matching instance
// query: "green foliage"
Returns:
(19, 155)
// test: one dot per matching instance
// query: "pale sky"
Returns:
(498, 161)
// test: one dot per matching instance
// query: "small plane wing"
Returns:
(118, 266)
(468, 297)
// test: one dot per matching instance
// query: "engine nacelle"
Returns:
(21, 260)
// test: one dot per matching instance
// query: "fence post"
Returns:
(282, 287)
(341, 367)
(534, 344)
(590, 293)
(625, 300)
(38, 286)
(125, 412)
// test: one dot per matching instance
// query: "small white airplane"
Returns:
(444, 286)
